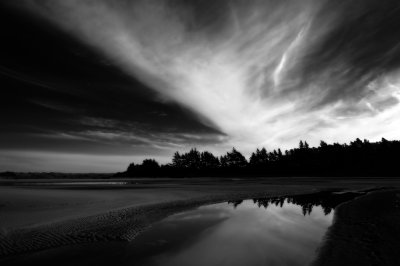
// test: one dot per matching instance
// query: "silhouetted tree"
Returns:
(208, 160)
(177, 160)
(258, 158)
(233, 159)
(323, 144)
(131, 168)
(280, 155)
(150, 164)
(301, 145)
(306, 146)
(273, 156)
(357, 143)
(192, 159)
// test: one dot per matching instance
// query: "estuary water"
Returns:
(251, 232)
(264, 231)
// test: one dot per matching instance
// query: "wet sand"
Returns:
(365, 231)
(38, 217)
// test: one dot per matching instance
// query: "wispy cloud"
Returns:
(263, 72)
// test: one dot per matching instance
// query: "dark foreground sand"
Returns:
(37, 217)
(365, 231)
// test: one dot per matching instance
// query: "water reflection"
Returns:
(265, 231)
(327, 200)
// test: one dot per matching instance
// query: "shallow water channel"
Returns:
(270, 231)
(247, 234)
(265, 231)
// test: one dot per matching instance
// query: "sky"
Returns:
(90, 86)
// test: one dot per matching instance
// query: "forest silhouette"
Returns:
(356, 159)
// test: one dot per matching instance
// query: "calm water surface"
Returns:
(267, 231)
(249, 233)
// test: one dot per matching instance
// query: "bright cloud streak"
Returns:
(242, 72)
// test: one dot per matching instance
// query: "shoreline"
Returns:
(116, 225)
(365, 232)
(124, 224)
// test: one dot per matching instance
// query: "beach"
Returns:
(40, 216)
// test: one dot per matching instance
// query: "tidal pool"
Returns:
(268, 231)
(249, 233)
(265, 231)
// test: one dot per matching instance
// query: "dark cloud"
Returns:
(60, 96)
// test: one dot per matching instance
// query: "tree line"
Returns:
(358, 158)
